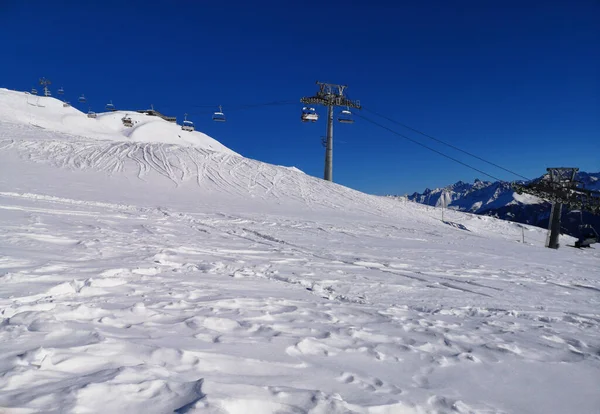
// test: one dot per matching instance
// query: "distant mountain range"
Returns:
(498, 199)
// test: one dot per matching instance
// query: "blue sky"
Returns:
(515, 82)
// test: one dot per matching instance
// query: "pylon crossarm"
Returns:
(578, 198)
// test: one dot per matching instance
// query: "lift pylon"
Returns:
(329, 95)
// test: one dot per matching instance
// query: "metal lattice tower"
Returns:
(560, 187)
(330, 95)
(45, 82)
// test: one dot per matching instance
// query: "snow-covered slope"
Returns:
(144, 276)
(48, 113)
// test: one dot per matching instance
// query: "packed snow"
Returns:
(157, 274)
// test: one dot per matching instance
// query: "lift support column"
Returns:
(554, 226)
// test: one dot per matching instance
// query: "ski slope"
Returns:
(144, 272)
(49, 113)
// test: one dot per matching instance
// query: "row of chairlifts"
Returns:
(310, 114)
(81, 99)
(66, 104)
(218, 116)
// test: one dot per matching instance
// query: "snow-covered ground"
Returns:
(141, 275)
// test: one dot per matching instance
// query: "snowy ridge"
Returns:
(21, 108)
(478, 197)
(498, 199)
(483, 196)
(149, 276)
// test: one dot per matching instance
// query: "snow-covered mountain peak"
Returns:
(500, 200)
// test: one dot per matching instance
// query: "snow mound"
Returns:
(49, 113)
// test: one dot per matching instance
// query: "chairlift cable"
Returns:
(447, 144)
(427, 147)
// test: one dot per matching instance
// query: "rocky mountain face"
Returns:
(498, 199)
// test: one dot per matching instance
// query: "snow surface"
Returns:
(49, 113)
(142, 275)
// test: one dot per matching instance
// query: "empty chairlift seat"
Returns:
(219, 116)
(345, 117)
(187, 125)
(110, 107)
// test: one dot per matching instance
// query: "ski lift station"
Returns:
(154, 112)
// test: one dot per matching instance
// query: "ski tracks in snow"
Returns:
(149, 309)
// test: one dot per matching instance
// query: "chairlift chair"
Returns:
(587, 236)
(34, 91)
(82, 99)
(61, 91)
(345, 117)
(91, 114)
(110, 107)
(219, 116)
(187, 125)
(309, 114)
(66, 104)
(127, 121)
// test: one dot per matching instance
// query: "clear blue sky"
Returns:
(516, 82)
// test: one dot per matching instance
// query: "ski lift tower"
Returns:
(330, 95)
(45, 82)
(560, 180)
(560, 187)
